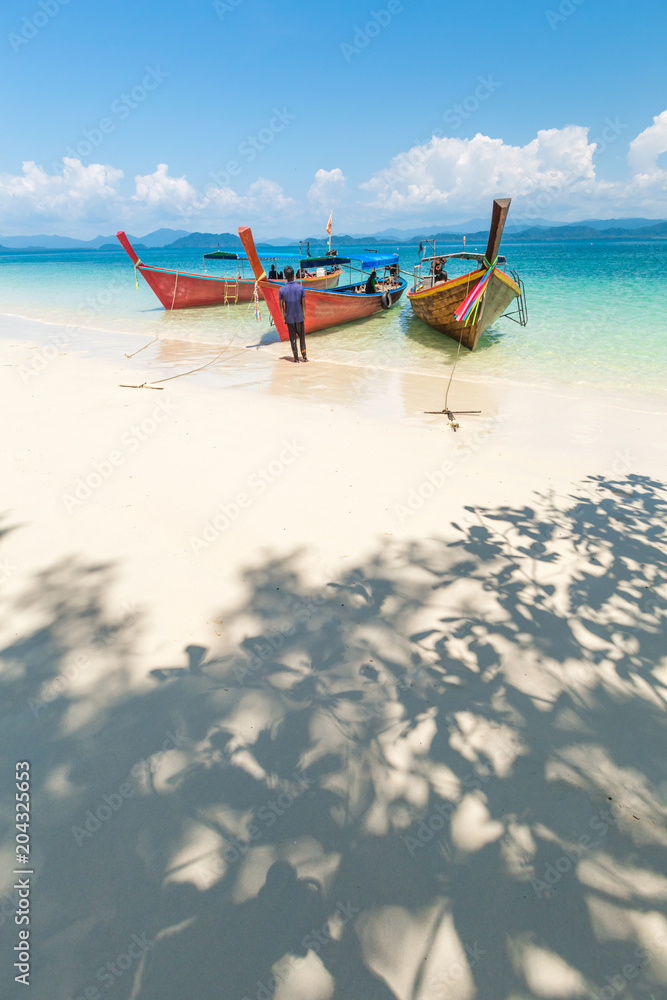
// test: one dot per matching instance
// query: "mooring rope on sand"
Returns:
(156, 383)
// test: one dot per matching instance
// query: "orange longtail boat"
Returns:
(333, 307)
(464, 307)
(182, 289)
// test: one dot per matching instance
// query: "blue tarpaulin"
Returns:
(379, 260)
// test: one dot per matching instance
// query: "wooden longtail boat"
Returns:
(182, 289)
(327, 308)
(463, 308)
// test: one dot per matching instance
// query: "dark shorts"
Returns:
(297, 337)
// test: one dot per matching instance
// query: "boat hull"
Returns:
(182, 290)
(436, 306)
(325, 309)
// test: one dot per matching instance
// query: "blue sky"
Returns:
(356, 86)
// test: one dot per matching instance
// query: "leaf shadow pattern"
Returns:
(441, 776)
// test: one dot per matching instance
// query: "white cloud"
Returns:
(553, 174)
(462, 175)
(648, 146)
(327, 189)
(91, 195)
(79, 193)
(160, 191)
(176, 198)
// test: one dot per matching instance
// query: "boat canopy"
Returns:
(378, 260)
(463, 255)
(224, 255)
(323, 261)
(368, 262)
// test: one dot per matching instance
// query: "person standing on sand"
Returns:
(293, 308)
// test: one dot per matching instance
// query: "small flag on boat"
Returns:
(329, 224)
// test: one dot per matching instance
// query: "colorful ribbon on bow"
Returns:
(258, 311)
(467, 311)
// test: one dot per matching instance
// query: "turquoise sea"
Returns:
(597, 315)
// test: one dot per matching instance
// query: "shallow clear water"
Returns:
(596, 314)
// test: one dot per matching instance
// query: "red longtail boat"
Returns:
(182, 289)
(329, 308)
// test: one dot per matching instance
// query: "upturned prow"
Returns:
(245, 234)
(501, 207)
(127, 246)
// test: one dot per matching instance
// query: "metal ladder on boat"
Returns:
(520, 314)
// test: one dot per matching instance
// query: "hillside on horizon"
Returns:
(171, 239)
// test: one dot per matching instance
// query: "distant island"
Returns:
(657, 231)
(117, 246)
(542, 231)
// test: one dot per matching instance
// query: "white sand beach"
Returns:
(270, 574)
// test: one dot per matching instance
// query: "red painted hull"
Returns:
(323, 309)
(182, 289)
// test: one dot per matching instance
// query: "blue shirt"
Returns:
(292, 295)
